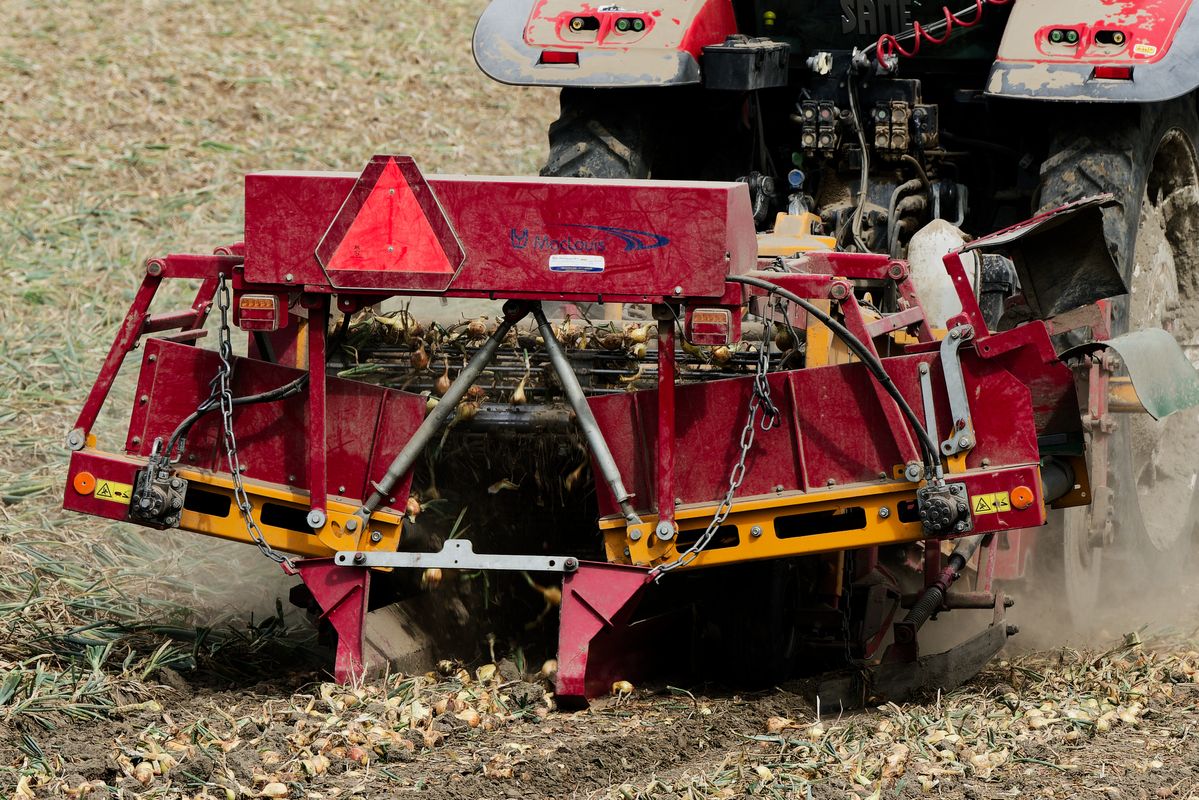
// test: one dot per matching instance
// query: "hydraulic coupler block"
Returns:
(944, 510)
(158, 497)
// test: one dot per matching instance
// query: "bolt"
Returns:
(838, 291)
(678, 501)
(145, 398)
(755, 531)
(964, 442)
(289, 277)
(351, 524)
(152, 359)
(678, 290)
(154, 268)
(882, 476)
(136, 440)
(831, 482)
(341, 490)
(960, 527)
(986, 462)
(176, 504)
(884, 512)
(291, 478)
(961, 508)
(176, 483)
(923, 368)
(1008, 602)
(626, 552)
(391, 248)
(954, 334)
(191, 458)
(359, 558)
(570, 564)
(635, 535)
(778, 487)
(391, 191)
(664, 531)
(376, 537)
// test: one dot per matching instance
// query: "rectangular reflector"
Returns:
(1112, 73)
(558, 57)
(260, 312)
(709, 326)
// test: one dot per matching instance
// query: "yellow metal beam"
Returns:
(282, 503)
(774, 527)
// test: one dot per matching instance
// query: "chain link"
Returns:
(760, 403)
(222, 391)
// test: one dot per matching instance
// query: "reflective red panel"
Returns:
(390, 233)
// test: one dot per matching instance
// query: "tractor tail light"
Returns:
(558, 57)
(260, 312)
(710, 326)
(1112, 73)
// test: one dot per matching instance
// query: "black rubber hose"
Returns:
(213, 403)
(934, 596)
(872, 362)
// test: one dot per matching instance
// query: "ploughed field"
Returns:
(137, 663)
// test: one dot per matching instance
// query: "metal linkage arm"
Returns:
(513, 313)
(591, 430)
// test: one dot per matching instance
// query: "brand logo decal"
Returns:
(586, 240)
(873, 17)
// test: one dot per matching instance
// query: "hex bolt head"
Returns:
(376, 537)
(884, 512)
(359, 558)
(635, 535)
(316, 519)
(571, 564)
(289, 277)
(964, 442)
(664, 531)
(755, 531)
(352, 524)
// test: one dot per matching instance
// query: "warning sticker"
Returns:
(1142, 49)
(114, 492)
(992, 503)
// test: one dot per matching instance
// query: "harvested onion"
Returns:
(442, 384)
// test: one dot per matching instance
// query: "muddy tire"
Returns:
(1146, 158)
(601, 133)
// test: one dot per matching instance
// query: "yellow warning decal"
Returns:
(114, 492)
(991, 503)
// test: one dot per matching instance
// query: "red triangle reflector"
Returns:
(390, 232)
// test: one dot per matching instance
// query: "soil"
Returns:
(654, 743)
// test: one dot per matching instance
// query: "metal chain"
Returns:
(761, 403)
(223, 392)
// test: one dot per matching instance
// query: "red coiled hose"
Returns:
(889, 48)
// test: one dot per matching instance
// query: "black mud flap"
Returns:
(901, 681)
(1062, 257)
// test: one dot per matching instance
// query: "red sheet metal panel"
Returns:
(833, 431)
(539, 238)
(366, 425)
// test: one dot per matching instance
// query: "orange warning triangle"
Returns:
(390, 232)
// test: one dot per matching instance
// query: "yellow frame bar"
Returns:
(754, 519)
(317, 544)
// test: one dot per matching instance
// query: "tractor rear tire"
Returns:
(1146, 158)
(601, 133)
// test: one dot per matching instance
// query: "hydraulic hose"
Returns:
(932, 598)
(872, 362)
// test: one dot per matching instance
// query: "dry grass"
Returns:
(126, 130)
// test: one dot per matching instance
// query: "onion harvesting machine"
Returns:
(784, 448)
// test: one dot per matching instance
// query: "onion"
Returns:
(549, 669)
(431, 403)
(412, 508)
(637, 333)
(638, 350)
(783, 339)
(722, 355)
(442, 384)
(477, 329)
(621, 687)
(420, 359)
(430, 578)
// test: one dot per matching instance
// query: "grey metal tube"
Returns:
(591, 431)
(437, 417)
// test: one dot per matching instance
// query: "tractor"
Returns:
(743, 388)
(904, 128)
